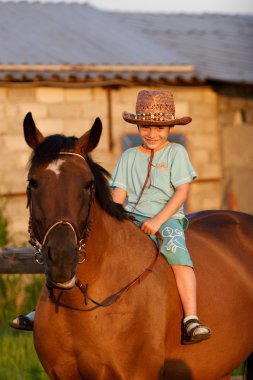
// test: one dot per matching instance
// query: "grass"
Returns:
(239, 371)
(18, 359)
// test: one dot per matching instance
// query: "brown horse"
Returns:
(126, 323)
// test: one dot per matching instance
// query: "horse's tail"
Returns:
(249, 368)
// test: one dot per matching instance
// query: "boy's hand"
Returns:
(151, 226)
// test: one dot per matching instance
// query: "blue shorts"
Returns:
(173, 246)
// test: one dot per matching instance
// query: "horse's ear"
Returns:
(33, 136)
(89, 140)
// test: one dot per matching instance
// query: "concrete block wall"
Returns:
(55, 110)
(72, 111)
(236, 124)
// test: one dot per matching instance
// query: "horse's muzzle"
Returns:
(63, 285)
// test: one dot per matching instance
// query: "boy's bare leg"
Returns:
(186, 284)
(193, 330)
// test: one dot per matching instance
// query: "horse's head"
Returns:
(60, 192)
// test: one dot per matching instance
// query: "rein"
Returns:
(116, 296)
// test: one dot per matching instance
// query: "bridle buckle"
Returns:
(82, 251)
(38, 255)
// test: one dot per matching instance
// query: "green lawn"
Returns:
(18, 359)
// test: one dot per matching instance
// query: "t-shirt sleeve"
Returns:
(181, 170)
(119, 176)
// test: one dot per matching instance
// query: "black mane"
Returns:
(49, 150)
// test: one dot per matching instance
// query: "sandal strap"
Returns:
(24, 320)
(191, 331)
(196, 325)
(191, 321)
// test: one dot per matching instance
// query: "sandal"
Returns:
(194, 332)
(22, 322)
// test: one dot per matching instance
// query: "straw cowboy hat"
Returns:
(155, 108)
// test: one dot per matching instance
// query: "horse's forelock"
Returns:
(50, 148)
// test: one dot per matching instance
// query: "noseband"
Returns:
(80, 239)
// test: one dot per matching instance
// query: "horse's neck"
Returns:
(103, 229)
(116, 246)
(102, 240)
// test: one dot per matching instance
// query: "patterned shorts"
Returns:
(173, 247)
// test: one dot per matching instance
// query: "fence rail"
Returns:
(19, 260)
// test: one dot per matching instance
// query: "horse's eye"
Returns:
(89, 185)
(32, 184)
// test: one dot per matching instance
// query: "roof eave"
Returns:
(173, 68)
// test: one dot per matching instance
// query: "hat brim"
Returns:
(132, 118)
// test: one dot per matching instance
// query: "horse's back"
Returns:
(225, 236)
(220, 243)
(210, 220)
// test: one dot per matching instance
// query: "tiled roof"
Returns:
(220, 46)
(76, 42)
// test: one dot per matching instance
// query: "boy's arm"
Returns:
(119, 195)
(152, 225)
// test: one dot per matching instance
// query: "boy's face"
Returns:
(153, 137)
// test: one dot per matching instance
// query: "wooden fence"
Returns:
(19, 260)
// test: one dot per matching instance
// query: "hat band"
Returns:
(159, 116)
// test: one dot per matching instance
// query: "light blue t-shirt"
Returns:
(171, 167)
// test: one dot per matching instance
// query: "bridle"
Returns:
(81, 243)
(80, 239)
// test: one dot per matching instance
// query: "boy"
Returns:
(152, 180)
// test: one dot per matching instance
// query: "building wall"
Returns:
(236, 121)
(72, 111)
